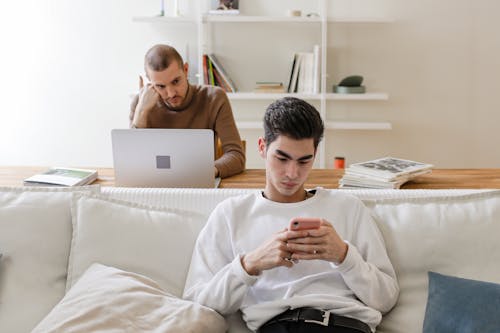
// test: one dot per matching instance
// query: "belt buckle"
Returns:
(325, 322)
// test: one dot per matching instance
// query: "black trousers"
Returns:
(303, 327)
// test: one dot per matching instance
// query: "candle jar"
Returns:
(338, 162)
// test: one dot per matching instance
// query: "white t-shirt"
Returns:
(362, 287)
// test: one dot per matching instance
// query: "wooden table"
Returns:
(328, 178)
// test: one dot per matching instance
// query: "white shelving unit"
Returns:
(204, 23)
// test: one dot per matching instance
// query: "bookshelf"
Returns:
(322, 24)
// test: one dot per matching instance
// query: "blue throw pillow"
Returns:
(461, 305)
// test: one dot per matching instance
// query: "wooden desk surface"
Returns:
(327, 178)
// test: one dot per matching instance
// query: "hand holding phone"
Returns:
(304, 223)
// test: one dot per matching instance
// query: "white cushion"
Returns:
(35, 235)
(156, 242)
(453, 235)
(201, 200)
(106, 299)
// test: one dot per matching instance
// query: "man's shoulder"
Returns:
(239, 201)
(210, 92)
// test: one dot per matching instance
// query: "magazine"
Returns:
(224, 7)
(389, 168)
(59, 176)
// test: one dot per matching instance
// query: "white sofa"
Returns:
(50, 236)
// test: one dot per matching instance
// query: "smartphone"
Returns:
(302, 223)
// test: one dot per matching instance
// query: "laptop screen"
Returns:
(163, 157)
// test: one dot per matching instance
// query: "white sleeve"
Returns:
(366, 268)
(216, 277)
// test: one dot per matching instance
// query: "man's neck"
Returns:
(298, 196)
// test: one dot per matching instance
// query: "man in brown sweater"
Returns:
(170, 101)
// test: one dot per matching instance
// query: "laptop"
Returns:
(163, 157)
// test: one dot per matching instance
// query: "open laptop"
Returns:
(163, 157)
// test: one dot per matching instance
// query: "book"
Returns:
(59, 176)
(219, 80)
(224, 7)
(223, 74)
(269, 87)
(294, 73)
(205, 69)
(387, 172)
(316, 70)
(305, 72)
(211, 78)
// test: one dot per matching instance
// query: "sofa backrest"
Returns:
(447, 231)
(451, 232)
(451, 235)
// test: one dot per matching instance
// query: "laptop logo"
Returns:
(163, 162)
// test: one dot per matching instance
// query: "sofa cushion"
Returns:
(106, 299)
(461, 305)
(35, 235)
(156, 242)
(455, 235)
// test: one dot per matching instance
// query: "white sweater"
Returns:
(362, 287)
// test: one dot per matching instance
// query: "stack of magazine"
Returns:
(383, 173)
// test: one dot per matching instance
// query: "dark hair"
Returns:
(294, 118)
(160, 56)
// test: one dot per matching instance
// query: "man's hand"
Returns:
(273, 253)
(323, 243)
(148, 98)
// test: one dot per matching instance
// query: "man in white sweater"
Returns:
(335, 278)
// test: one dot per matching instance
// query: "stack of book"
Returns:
(62, 177)
(383, 173)
(215, 75)
(269, 87)
(305, 72)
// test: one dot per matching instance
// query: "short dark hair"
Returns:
(160, 56)
(294, 118)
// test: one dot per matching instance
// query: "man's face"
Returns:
(171, 83)
(288, 163)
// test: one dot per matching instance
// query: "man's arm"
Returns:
(216, 278)
(366, 268)
(364, 264)
(142, 106)
(233, 159)
(220, 279)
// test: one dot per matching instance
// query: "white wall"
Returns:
(69, 67)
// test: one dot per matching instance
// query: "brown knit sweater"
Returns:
(204, 107)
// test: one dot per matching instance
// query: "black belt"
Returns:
(320, 317)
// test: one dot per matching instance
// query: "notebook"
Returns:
(163, 157)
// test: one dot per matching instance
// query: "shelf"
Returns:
(270, 96)
(326, 101)
(164, 19)
(349, 125)
(256, 19)
(358, 97)
(335, 125)
(329, 96)
(270, 19)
